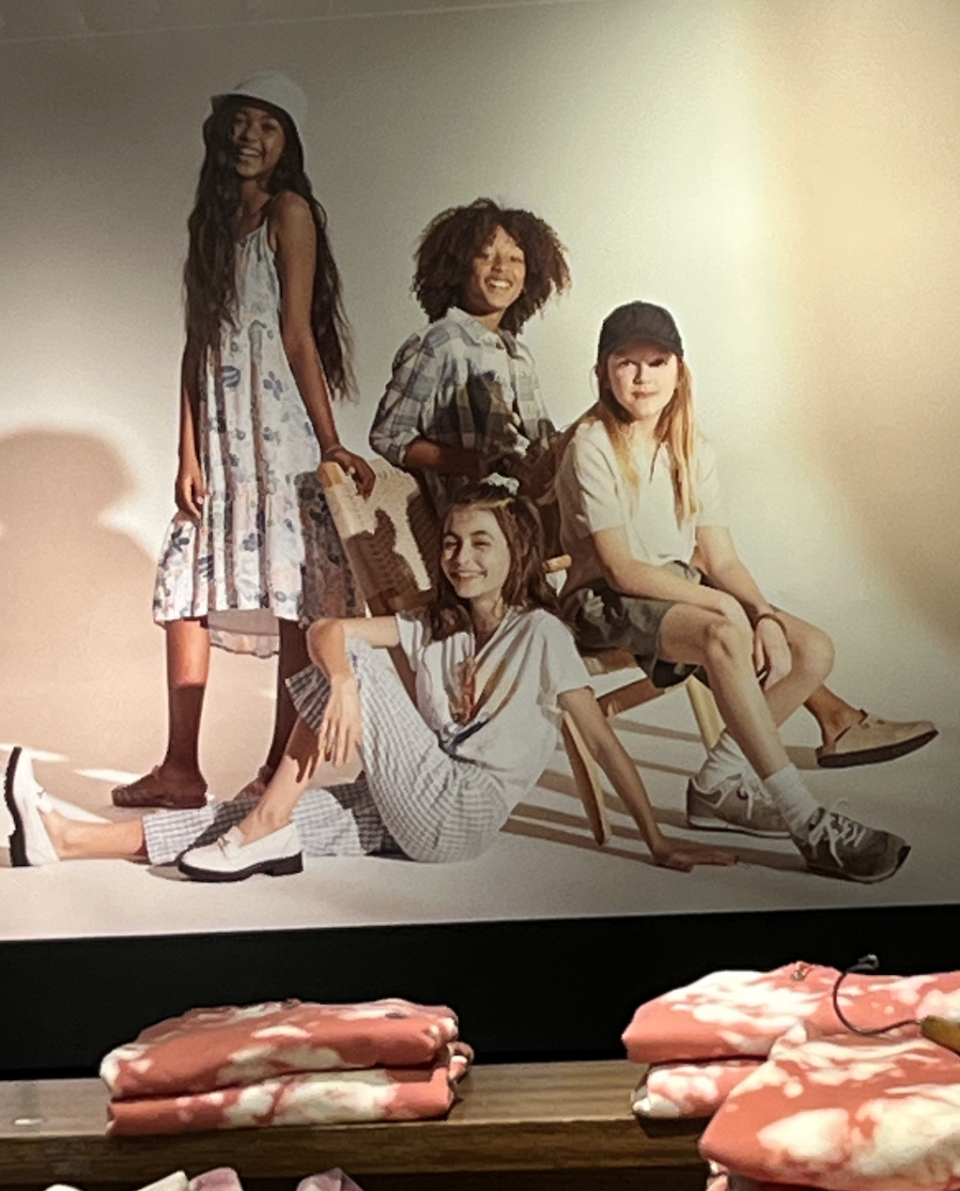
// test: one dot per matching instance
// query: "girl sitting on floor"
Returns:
(494, 670)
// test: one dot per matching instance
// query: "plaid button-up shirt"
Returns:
(461, 385)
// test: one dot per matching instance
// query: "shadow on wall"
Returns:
(82, 671)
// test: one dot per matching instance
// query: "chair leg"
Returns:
(585, 778)
(705, 711)
(625, 698)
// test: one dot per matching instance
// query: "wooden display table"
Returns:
(535, 1126)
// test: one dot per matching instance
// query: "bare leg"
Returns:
(724, 648)
(812, 654)
(833, 714)
(188, 667)
(293, 658)
(177, 780)
(75, 840)
(284, 790)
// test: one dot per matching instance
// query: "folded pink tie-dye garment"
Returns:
(221, 1178)
(672, 1090)
(330, 1180)
(724, 1180)
(304, 1098)
(215, 1048)
(738, 1014)
(845, 1113)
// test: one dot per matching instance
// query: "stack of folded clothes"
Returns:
(795, 1098)
(225, 1178)
(286, 1063)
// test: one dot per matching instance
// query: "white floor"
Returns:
(546, 865)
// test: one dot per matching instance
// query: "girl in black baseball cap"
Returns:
(655, 571)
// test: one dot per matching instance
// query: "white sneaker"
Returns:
(30, 845)
(231, 859)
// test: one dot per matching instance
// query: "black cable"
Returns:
(866, 963)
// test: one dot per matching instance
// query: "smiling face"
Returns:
(475, 554)
(259, 141)
(495, 280)
(642, 378)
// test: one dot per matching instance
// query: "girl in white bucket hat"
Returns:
(251, 555)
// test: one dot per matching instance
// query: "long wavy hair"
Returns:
(454, 238)
(210, 272)
(676, 429)
(526, 585)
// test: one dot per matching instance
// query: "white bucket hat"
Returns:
(274, 88)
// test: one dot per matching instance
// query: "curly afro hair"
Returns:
(452, 241)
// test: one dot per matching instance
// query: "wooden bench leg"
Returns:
(585, 778)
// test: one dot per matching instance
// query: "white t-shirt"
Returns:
(593, 494)
(510, 725)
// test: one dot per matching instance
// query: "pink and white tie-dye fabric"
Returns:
(845, 1113)
(207, 1049)
(304, 1098)
(672, 1090)
(330, 1180)
(725, 1180)
(221, 1178)
(738, 1014)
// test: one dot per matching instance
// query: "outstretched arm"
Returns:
(615, 762)
(296, 241)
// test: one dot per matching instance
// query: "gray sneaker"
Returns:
(737, 804)
(837, 846)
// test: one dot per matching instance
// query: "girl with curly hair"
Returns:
(464, 400)
(441, 776)
(266, 346)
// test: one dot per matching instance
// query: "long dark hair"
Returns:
(454, 238)
(210, 272)
(526, 585)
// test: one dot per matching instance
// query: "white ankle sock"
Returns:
(724, 760)
(792, 799)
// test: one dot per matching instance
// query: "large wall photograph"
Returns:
(784, 178)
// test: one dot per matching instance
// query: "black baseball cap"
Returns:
(639, 322)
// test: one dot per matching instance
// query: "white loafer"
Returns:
(25, 798)
(231, 859)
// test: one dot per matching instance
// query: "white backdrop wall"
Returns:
(785, 177)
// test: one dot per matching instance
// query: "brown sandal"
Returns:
(149, 790)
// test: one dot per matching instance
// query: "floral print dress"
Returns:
(265, 547)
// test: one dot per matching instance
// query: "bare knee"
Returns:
(813, 653)
(726, 643)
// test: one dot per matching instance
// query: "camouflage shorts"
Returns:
(606, 619)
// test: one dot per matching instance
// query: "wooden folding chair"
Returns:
(391, 538)
(634, 693)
